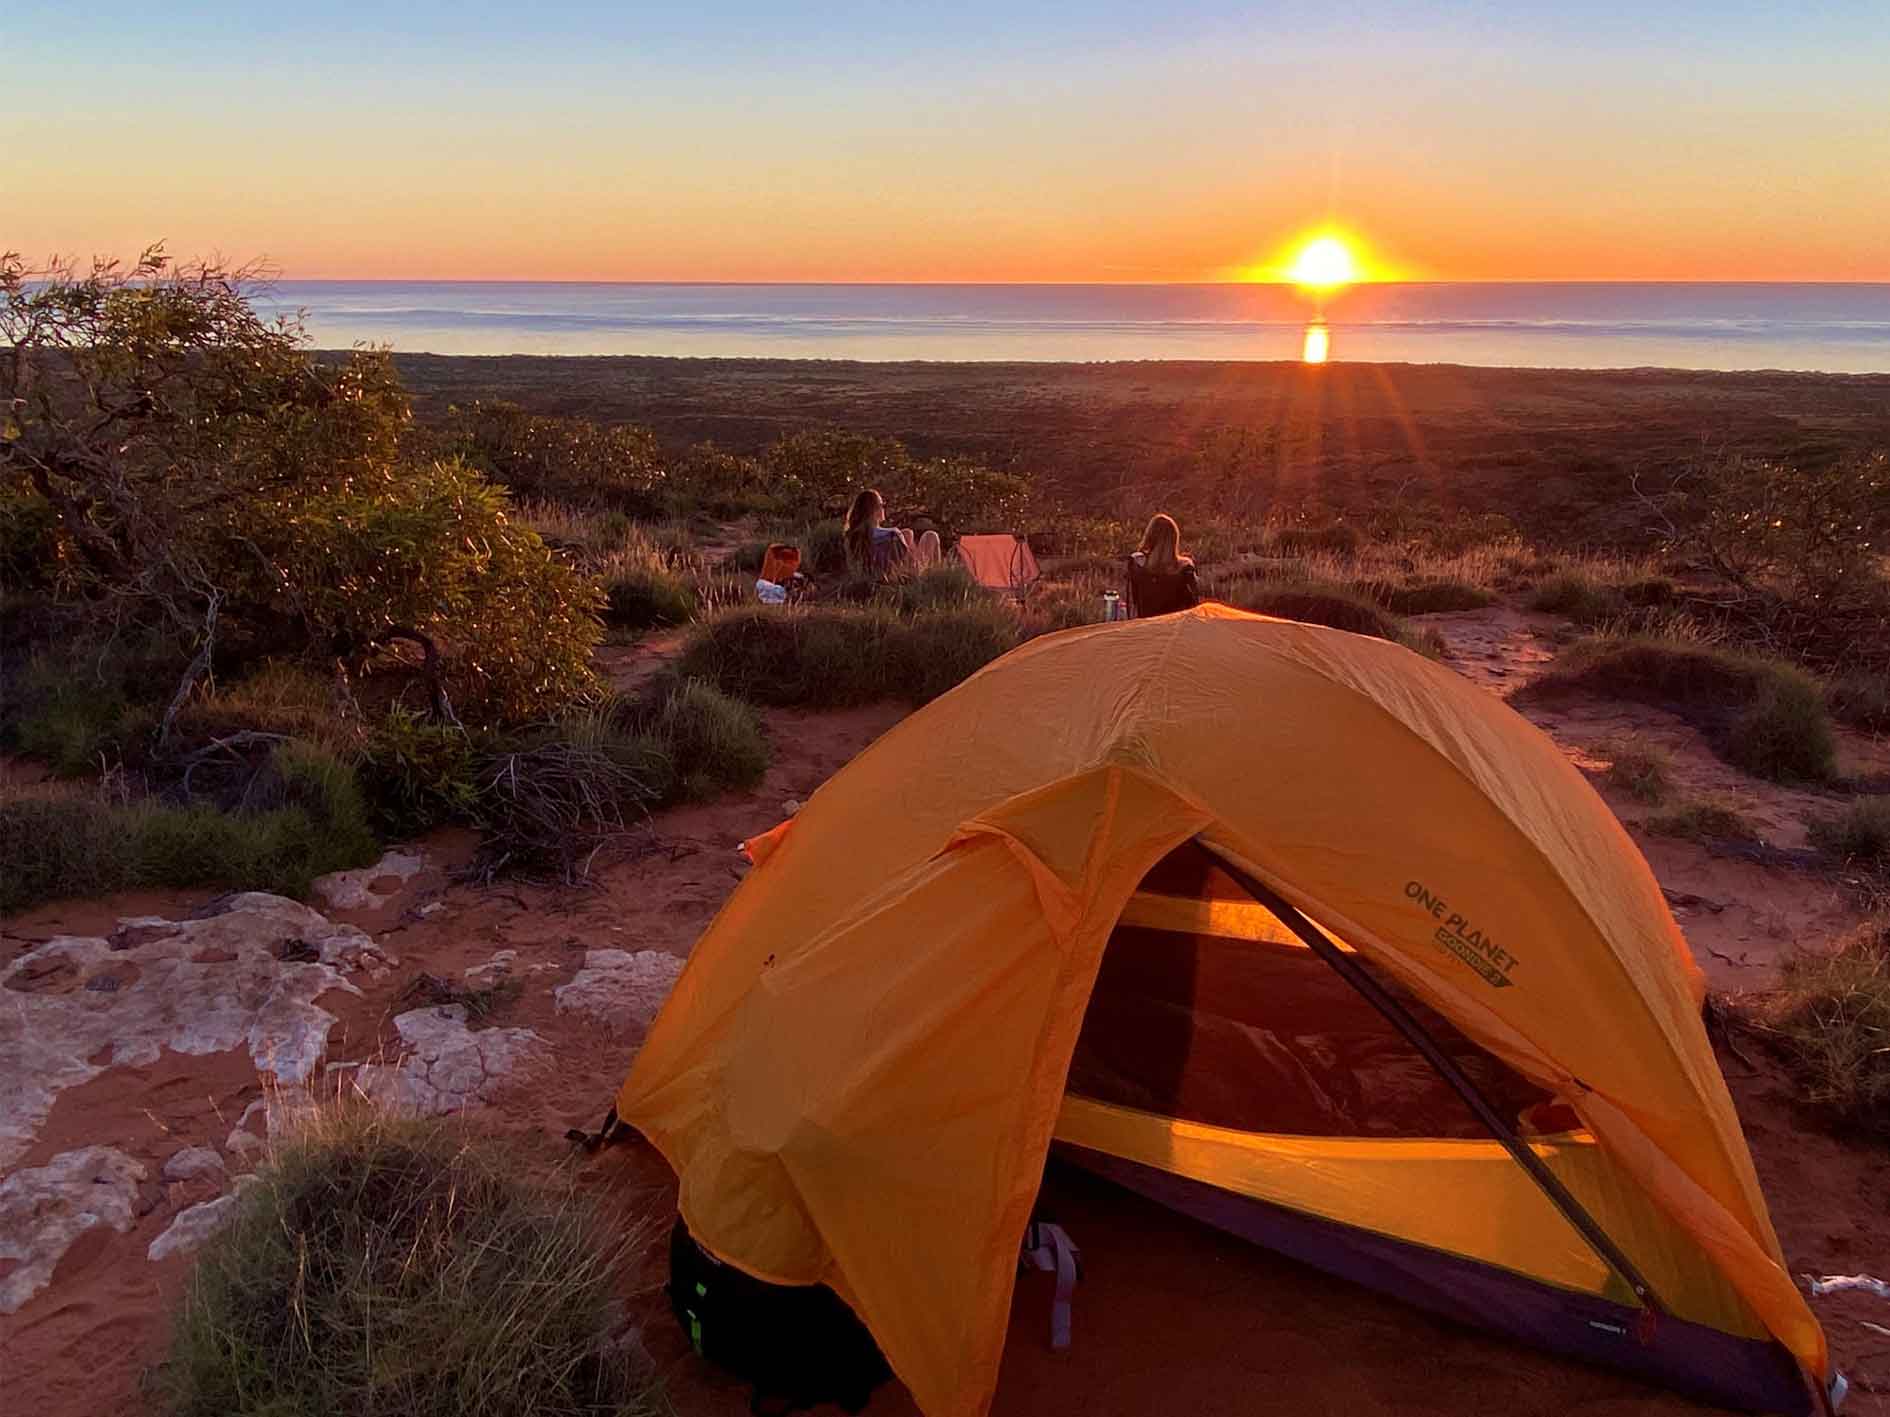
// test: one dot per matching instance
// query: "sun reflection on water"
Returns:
(1318, 346)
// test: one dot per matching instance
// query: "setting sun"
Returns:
(1323, 263)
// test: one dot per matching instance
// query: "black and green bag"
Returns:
(800, 1345)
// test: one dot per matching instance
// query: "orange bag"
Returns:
(780, 564)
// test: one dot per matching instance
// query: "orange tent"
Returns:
(1290, 928)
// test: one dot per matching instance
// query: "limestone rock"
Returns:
(246, 976)
(625, 988)
(192, 1226)
(372, 887)
(43, 1209)
(449, 1067)
(194, 1163)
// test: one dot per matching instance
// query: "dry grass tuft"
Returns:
(1832, 1018)
(1703, 820)
(1763, 715)
(1858, 835)
(1642, 770)
(385, 1267)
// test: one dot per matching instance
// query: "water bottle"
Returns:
(1112, 605)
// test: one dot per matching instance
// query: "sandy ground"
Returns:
(1172, 1317)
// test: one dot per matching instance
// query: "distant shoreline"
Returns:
(1841, 327)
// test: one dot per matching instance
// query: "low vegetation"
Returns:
(1831, 1017)
(1595, 592)
(829, 657)
(398, 1268)
(306, 818)
(1642, 770)
(1763, 715)
(1703, 820)
(1858, 835)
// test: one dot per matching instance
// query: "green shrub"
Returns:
(85, 701)
(723, 484)
(56, 848)
(439, 551)
(573, 460)
(387, 1266)
(1862, 701)
(1832, 1014)
(1432, 597)
(1860, 833)
(422, 774)
(275, 697)
(947, 586)
(31, 548)
(1061, 608)
(1703, 820)
(1315, 604)
(818, 471)
(823, 548)
(641, 592)
(1577, 596)
(1784, 734)
(940, 649)
(829, 657)
(81, 846)
(1642, 770)
(1332, 539)
(73, 727)
(711, 741)
(1763, 715)
(308, 777)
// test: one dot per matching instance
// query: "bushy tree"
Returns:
(1818, 534)
(160, 418)
(818, 472)
(615, 466)
(436, 558)
(206, 473)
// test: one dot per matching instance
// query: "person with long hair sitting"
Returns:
(876, 549)
(1161, 579)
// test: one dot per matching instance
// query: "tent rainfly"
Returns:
(1288, 928)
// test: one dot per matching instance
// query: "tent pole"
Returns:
(1401, 1018)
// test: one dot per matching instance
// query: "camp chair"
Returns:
(1000, 562)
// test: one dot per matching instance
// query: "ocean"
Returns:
(1825, 327)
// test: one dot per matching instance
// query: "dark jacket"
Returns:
(1161, 592)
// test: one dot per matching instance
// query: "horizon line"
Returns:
(1277, 284)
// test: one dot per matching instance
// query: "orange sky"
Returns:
(1189, 151)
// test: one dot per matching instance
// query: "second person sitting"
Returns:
(1161, 579)
(878, 550)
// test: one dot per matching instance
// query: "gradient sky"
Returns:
(969, 140)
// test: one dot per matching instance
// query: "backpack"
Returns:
(800, 1345)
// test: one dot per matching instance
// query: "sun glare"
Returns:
(1323, 263)
(1318, 346)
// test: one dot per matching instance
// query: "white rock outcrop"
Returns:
(43, 1209)
(193, 1163)
(624, 988)
(354, 890)
(191, 1227)
(247, 976)
(449, 1066)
